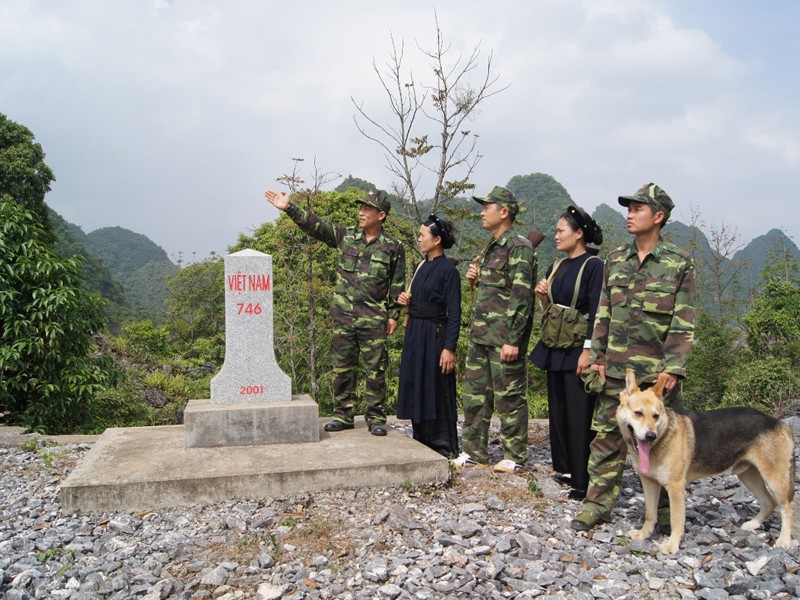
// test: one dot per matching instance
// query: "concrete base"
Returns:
(210, 425)
(139, 468)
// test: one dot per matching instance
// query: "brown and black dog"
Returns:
(671, 448)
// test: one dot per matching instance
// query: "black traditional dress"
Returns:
(426, 396)
(570, 408)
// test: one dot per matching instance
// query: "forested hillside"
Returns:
(138, 263)
(71, 241)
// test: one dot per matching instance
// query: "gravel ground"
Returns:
(481, 535)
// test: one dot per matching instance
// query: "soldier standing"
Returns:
(645, 322)
(369, 278)
(494, 371)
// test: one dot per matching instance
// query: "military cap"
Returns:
(376, 200)
(654, 196)
(502, 197)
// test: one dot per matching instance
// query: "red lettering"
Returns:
(249, 390)
(249, 283)
(259, 282)
(249, 309)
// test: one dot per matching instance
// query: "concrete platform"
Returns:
(139, 468)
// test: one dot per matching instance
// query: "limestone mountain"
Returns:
(140, 265)
(763, 251)
(126, 268)
(71, 241)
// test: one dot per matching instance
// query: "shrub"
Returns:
(144, 341)
(768, 384)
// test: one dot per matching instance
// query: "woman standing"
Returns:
(570, 406)
(427, 394)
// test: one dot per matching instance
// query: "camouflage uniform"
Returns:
(502, 314)
(369, 278)
(645, 322)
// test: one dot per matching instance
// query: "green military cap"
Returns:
(502, 197)
(593, 383)
(376, 200)
(654, 196)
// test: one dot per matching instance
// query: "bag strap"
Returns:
(578, 282)
(550, 279)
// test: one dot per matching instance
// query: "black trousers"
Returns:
(570, 411)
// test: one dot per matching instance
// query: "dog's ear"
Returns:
(631, 387)
(658, 388)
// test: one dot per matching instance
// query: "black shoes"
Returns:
(338, 426)
(575, 494)
(374, 428)
(377, 429)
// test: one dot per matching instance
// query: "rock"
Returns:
(479, 536)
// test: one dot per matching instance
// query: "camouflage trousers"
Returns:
(489, 385)
(346, 345)
(607, 452)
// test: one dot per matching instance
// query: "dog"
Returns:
(671, 448)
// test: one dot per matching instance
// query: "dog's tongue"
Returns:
(644, 456)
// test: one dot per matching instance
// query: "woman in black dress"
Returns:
(427, 394)
(570, 407)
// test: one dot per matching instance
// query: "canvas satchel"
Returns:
(564, 327)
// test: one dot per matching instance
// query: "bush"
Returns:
(767, 384)
(119, 407)
(145, 342)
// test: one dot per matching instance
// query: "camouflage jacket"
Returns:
(503, 310)
(645, 320)
(369, 276)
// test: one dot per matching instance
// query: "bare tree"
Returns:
(719, 273)
(430, 136)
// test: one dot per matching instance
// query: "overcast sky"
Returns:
(172, 118)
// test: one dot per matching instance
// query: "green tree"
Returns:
(48, 371)
(196, 302)
(773, 325)
(712, 360)
(24, 176)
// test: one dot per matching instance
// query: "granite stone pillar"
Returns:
(251, 397)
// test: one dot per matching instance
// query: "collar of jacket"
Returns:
(377, 237)
(504, 237)
(656, 252)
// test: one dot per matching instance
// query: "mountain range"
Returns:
(132, 271)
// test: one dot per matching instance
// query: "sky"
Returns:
(171, 118)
